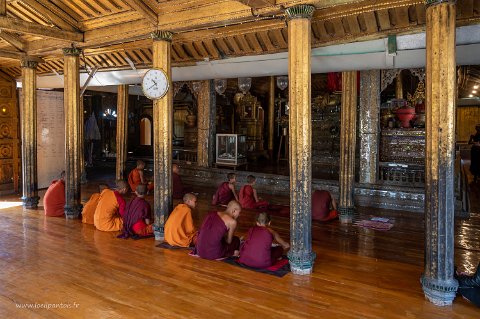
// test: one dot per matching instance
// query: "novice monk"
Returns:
(248, 195)
(136, 177)
(179, 229)
(226, 191)
(137, 216)
(54, 199)
(257, 250)
(215, 237)
(324, 207)
(178, 189)
(110, 209)
(90, 206)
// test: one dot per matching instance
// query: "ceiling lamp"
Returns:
(220, 86)
(475, 86)
(474, 92)
(471, 95)
(244, 84)
(282, 82)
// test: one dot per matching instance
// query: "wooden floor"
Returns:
(358, 273)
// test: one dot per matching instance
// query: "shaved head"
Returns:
(234, 208)
(122, 186)
(190, 200)
(175, 168)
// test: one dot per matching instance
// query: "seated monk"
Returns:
(257, 250)
(110, 209)
(178, 189)
(179, 229)
(215, 238)
(324, 207)
(89, 208)
(248, 195)
(226, 191)
(137, 216)
(54, 199)
(136, 177)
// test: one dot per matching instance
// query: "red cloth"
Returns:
(247, 200)
(136, 211)
(134, 179)
(211, 243)
(321, 201)
(121, 203)
(178, 188)
(223, 195)
(257, 251)
(54, 199)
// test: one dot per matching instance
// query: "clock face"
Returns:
(155, 84)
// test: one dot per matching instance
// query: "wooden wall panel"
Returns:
(467, 118)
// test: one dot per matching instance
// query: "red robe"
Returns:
(257, 250)
(136, 211)
(247, 200)
(223, 195)
(321, 201)
(54, 199)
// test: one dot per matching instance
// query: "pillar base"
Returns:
(30, 202)
(73, 212)
(346, 214)
(301, 263)
(159, 232)
(439, 292)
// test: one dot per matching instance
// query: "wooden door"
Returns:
(9, 138)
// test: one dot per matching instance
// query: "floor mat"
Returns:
(280, 269)
(168, 246)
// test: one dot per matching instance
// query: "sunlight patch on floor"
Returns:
(4, 205)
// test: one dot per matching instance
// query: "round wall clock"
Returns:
(155, 84)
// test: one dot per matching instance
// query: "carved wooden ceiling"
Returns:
(115, 33)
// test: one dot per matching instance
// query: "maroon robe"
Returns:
(211, 243)
(321, 201)
(247, 199)
(223, 195)
(178, 188)
(257, 250)
(136, 211)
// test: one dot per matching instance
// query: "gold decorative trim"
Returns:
(72, 51)
(162, 36)
(29, 64)
(429, 3)
(302, 11)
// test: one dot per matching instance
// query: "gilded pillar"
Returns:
(300, 255)
(438, 280)
(206, 104)
(399, 86)
(369, 125)
(73, 207)
(162, 136)
(271, 114)
(29, 134)
(348, 123)
(83, 172)
(121, 138)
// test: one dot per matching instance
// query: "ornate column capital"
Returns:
(72, 51)
(28, 63)
(303, 11)
(160, 35)
(429, 3)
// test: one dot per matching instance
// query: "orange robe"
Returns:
(109, 212)
(179, 229)
(54, 199)
(134, 180)
(89, 209)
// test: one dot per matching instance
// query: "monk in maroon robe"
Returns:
(257, 250)
(137, 216)
(179, 190)
(248, 195)
(226, 191)
(324, 207)
(215, 238)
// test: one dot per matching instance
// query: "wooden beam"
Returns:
(46, 11)
(18, 56)
(13, 40)
(258, 3)
(146, 11)
(3, 7)
(21, 26)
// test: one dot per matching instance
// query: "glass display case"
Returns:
(231, 149)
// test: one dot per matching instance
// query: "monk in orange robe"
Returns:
(136, 177)
(248, 195)
(324, 207)
(110, 209)
(89, 208)
(179, 229)
(54, 199)
(226, 191)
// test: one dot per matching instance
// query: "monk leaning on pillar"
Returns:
(89, 208)
(324, 207)
(179, 229)
(110, 209)
(54, 199)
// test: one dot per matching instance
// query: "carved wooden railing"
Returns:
(401, 174)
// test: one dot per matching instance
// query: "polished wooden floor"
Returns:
(358, 273)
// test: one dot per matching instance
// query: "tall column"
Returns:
(162, 135)
(83, 172)
(271, 114)
(121, 138)
(300, 255)
(73, 154)
(437, 280)
(29, 134)
(369, 127)
(348, 126)
(206, 105)
(399, 86)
